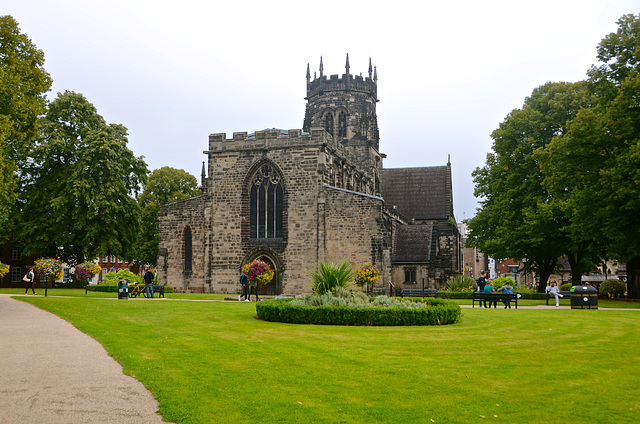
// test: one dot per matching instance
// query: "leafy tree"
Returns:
(23, 84)
(597, 161)
(81, 180)
(165, 185)
(518, 217)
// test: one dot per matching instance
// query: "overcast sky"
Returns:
(448, 71)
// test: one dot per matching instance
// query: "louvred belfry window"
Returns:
(266, 204)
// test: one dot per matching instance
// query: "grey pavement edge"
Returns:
(51, 372)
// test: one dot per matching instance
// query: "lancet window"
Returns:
(266, 203)
(188, 253)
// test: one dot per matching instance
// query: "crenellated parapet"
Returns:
(346, 82)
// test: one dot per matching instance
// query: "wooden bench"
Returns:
(494, 298)
(419, 292)
(136, 290)
(565, 295)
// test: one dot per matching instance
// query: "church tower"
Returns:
(344, 106)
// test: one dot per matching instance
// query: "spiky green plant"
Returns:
(461, 284)
(328, 276)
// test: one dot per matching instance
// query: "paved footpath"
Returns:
(51, 372)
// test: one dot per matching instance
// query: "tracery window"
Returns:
(188, 253)
(342, 125)
(266, 204)
(328, 123)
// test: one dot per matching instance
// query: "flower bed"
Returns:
(434, 312)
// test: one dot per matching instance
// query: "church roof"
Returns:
(418, 193)
(412, 243)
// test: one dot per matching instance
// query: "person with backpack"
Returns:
(244, 282)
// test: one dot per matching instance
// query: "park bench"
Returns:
(136, 290)
(418, 292)
(565, 295)
(494, 297)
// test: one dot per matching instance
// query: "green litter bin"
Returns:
(123, 289)
(584, 297)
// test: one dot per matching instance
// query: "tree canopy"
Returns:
(23, 84)
(81, 181)
(596, 163)
(564, 175)
(164, 185)
(518, 217)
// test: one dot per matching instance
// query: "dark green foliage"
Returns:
(613, 287)
(80, 185)
(110, 288)
(164, 185)
(328, 276)
(281, 310)
(23, 84)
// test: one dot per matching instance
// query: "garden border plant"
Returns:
(434, 312)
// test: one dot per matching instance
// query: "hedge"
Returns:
(114, 288)
(443, 294)
(280, 310)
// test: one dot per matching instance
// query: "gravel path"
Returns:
(50, 372)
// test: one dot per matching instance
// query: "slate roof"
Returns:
(412, 243)
(419, 193)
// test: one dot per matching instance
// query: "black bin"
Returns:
(123, 289)
(584, 297)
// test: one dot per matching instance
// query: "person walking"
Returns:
(244, 282)
(148, 284)
(488, 288)
(29, 279)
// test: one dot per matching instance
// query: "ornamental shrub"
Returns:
(4, 269)
(461, 284)
(565, 287)
(328, 276)
(113, 278)
(283, 310)
(613, 287)
(501, 281)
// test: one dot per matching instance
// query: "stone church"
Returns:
(320, 193)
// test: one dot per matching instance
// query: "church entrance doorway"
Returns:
(270, 289)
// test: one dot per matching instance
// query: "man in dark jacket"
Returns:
(148, 284)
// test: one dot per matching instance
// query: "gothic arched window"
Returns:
(342, 125)
(188, 254)
(266, 204)
(328, 123)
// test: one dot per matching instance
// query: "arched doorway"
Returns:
(274, 287)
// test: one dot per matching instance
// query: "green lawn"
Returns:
(213, 362)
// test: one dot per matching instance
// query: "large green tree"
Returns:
(518, 217)
(165, 185)
(597, 161)
(80, 187)
(23, 84)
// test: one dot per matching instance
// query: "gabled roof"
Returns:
(418, 193)
(412, 243)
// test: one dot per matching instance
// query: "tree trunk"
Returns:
(633, 278)
(545, 269)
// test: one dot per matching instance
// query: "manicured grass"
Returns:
(213, 362)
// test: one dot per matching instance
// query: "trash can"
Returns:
(123, 289)
(584, 297)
